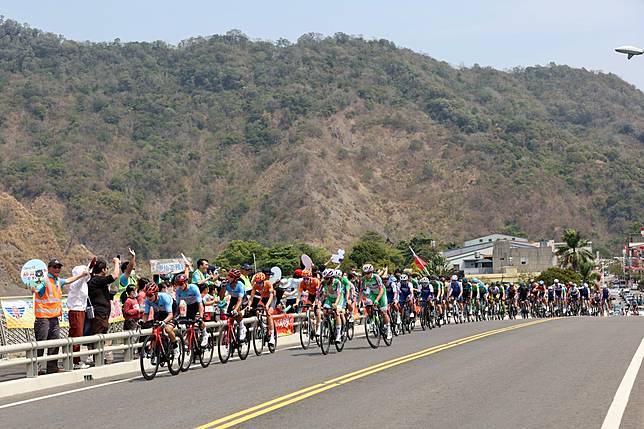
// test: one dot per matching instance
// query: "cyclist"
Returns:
(467, 292)
(264, 288)
(494, 294)
(234, 287)
(406, 293)
(309, 286)
(392, 297)
(584, 293)
(605, 299)
(351, 294)
(330, 295)
(524, 292)
(426, 292)
(373, 291)
(455, 292)
(512, 293)
(482, 298)
(191, 295)
(161, 303)
(574, 293)
(438, 295)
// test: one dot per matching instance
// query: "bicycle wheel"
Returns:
(305, 332)
(189, 350)
(149, 358)
(372, 330)
(205, 355)
(258, 337)
(243, 347)
(224, 346)
(174, 358)
(350, 330)
(325, 336)
(339, 345)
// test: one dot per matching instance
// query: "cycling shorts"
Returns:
(328, 303)
(382, 303)
(426, 296)
(257, 300)
(404, 297)
(233, 303)
(192, 310)
(390, 297)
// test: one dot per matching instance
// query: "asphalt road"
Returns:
(556, 373)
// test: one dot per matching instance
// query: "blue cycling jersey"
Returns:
(162, 304)
(405, 290)
(236, 291)
(190, 295)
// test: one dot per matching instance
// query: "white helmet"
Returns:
(556, 280)
(328, 273)
(338, 273)
(424, 280)
(404, 277)
(367, 268)
(454, 277)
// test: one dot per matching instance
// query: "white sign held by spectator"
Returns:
(30, 271)
(167, 266)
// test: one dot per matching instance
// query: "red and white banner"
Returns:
(284, 324)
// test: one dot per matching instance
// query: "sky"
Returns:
(499, 33)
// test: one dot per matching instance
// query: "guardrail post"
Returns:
(32, 366)
(130, 350)
(68, 360)
(99, 358)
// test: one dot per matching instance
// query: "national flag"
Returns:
(422, 265)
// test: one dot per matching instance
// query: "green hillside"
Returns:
(183, 148)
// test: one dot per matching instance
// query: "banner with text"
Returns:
(284, 324)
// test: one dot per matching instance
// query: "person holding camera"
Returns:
(100, 296)
(48, 307)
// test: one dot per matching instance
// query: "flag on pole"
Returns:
(422, 265)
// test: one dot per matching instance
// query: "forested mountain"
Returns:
(182, 148)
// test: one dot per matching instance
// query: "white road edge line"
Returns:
(67, 392)
(617, 407)
(95, 386)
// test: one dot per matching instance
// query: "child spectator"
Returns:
(132, 311)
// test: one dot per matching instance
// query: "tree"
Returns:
(562, 274)
(373, 249)
(587, 273)
(239, 252)
(575, 250)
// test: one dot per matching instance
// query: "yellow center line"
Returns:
(282, 401)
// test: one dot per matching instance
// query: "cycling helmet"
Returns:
(367, 268)
(541, 282)
(259, 277)
(338, 273)
(306, 274)
(181, 279)
(404, 277)
(454, 277)
(424, 280)
(234, 273)
(585, 285)
(556, 280)
(328, 273)
(151, 289)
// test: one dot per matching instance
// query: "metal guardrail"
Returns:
(98, 347)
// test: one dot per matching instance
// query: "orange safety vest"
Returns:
(50, 304)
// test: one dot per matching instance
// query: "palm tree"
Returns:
(586, 271)
(575, 250)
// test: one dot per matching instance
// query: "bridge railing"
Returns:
(98, 346)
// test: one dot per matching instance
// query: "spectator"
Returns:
(208, 302)
(201, 276)
(128, 276)
(246, 272)
(101, 297)
(77, 305)
(140, 287)
(132, 311)
(48, 307)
